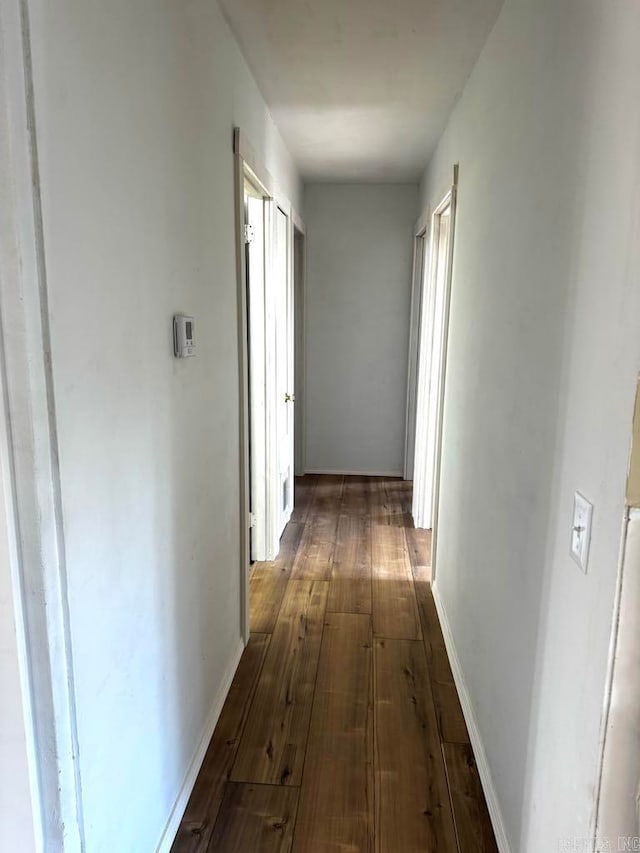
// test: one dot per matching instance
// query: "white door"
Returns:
(256, 345)
(431, 367)
(271, 371)
(284, 369)
(435, 377)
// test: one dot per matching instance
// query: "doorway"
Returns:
(266, 354)
(268, 237)
(431, 345)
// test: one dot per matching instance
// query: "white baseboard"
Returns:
(171, 829)
(493, 804)
(354, 473)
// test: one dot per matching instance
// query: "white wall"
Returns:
(544, 354)
(135, 105)
(359, 255)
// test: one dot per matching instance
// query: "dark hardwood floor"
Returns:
(342, 730)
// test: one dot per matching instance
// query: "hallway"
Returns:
(342, 729)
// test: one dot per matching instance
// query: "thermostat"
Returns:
(183, 342)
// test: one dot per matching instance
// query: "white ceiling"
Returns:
(361, 89)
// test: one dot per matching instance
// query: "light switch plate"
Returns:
(581, 530)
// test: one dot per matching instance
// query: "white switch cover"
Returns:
(581, 530)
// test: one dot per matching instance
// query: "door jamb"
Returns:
(300, 346)
(245, 163)
(32, 479)
(449, 200)
(420, 258)
(443, 372)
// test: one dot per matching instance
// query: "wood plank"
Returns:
(327, 494)
(388, 499)
(356, 496)
(274, 740)
(255, 818)
(303, 496)
(473, 823)
(419, 547)
(394, 607)
(451, 723)
(289, 544)
(429, 615)
(268, 581)
(350, 588)
(449, 714)
(402, 492)
(413, 811)
(439, 666)
(315, 552)
(196, 828)
(266, 591)
(336, 798)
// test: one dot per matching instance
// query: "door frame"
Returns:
(257, 374)
(248, 165)
(449, 200)
(30, 461)
(245, 164)
(300, 345)
(420, 250)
